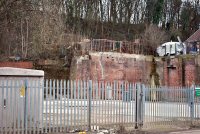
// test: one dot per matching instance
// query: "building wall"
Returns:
(172, 72)
(180, 71)
(114, 66)
(177, 71)
(190, 72)
(20, 64)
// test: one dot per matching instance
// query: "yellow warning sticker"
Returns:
(22, 91)
(82, 133)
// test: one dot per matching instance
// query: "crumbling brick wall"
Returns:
(190, 72)
(172, 72)
(177, 71)
(115, 66)
(180, 71)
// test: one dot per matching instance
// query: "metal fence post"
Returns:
(142, 95)
(25, 105)
(89, 104)
(191, 103)
(136, 107)
(139, 106)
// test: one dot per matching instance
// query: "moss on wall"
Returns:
(154, 75)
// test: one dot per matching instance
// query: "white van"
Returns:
(171, 48)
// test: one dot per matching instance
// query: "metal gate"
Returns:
(85, 105)
(176, 106)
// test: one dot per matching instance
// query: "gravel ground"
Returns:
(131, 130)
(122, 130)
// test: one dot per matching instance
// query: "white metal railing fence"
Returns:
(30, 106)
(170, 106)
(85, 104)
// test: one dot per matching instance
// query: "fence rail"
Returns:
(30, 106)
(104, 45)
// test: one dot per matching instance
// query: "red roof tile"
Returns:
(194, 37)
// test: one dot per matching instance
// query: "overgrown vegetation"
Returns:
(154, 76)
(37, 29)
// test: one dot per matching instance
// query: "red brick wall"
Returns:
(184, 73)
(165, 74)
(190, 72)
(28, 65)
(174, 73)
(114, 68)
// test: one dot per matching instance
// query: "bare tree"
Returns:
(153, 37)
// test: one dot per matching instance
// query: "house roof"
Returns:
(194, 37)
